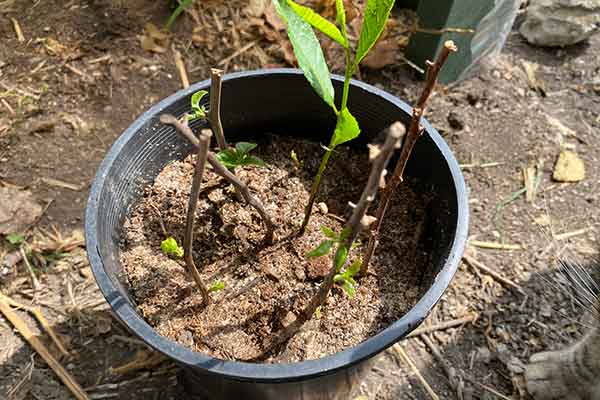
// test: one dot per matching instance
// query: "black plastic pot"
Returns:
(276, 101)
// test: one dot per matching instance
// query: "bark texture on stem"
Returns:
(216, 78)
(354, 225)
(204, 143)
(220, 169)
(414, 132)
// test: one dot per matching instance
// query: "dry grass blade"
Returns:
(444, 325)
(185, 82)
(494, 245)
(404, 357)
(18, 30)
(477, 264)
(42, 350)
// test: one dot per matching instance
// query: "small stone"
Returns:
(456, 121)
(186, 338)
(569, 167)
(300, 274)
(322, 208)
(86, 272)
(560, 22)
(484, 355)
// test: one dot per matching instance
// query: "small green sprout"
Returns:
(15, 239)
(325, 246)
(198, 111)
(170, 247)
(297, 163)
(239, 156)
(183, 4)
(217, 286)
(346, 278)
(318, 312)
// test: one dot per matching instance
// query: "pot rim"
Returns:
(281, 372)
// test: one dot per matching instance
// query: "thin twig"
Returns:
(443, 325)
(237, 53)
(41, 319)
(357, 221)
(42, 350)
(414, 132)
(160, 220)
(204, 143)
(34, 281)
(185, 82)
(494, 246)
(216, 78)
(404, 357)
(186, 132)
(477, 264)
(455, 380)
(18, 30)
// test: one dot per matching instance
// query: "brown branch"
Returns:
(204, 143)
(214, 116)
(241, 187)
(357, 221)
(414, 132)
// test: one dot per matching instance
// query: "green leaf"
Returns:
(308, 51)
(346, 128)
(353, 268)
(170, 247)
(215, 287)
(376, 16)
(251, 160)
(340, 257)
(349, 288)
(341, 13)
(196, 97)
(15, 238)
(321, 250)
(319, 22)
(329, 233)
(245, 147)
(229, 158)
(182, 6)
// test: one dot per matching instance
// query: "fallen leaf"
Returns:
(383, 53)
(18, 210)
(569, 167)
(148, 44)
(533, 81)
(155, 33)
(543, 220)
(55, 48)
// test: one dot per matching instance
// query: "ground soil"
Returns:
(267, 285)
(94, 86)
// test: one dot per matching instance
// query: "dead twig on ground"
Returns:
(219, 169)
(494, 245)
(160, 220)
(185, 82)
(237, 53)
(35, 284)
(36, 312)
(201, 155)
(444, 325)
(42, 350)
(477, 264)
(358, 220)
(414, 132)
(406, 359)
(143, 359)
(18, 30)
(456, 381)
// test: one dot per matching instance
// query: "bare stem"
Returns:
(216, 76)
(357, 221)
(414, 132)
(186, 132)
(204, 143)
(313, 191)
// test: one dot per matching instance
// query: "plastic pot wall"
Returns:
(281, 102)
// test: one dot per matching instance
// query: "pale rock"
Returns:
(560, 22)
(569, 167)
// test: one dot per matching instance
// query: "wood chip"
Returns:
(569, 167)
(62, 184)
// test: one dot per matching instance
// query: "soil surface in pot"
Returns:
(265, 286)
